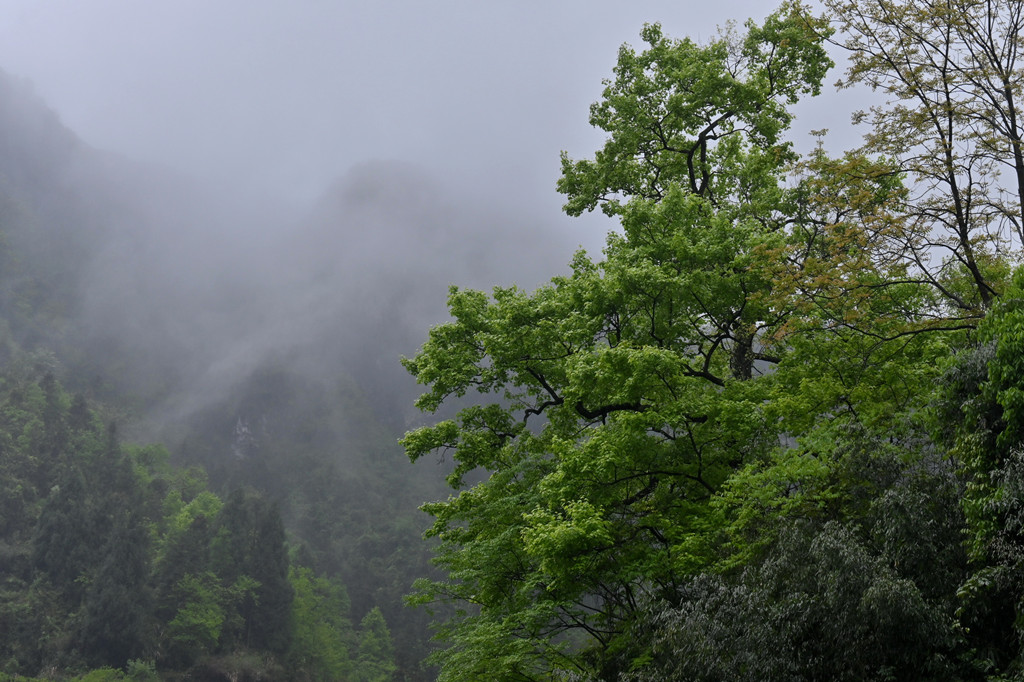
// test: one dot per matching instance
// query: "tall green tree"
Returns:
(323, 638)
(249, 549)
(66, 535)
(117, 620)
(624, 395)
(194, 629)
(376, 661)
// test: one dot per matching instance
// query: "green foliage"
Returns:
(842, 563)
(616, 401)
(1005, 326)
(982, 397)
(323, 637)
(318, 450)
(115, 558)
(821, 607)
(248, 548)
(196, 626)
(675, 112)
(141, 671)
(65, 535)
(116, 619)
(105, 674)
(135, 671)
(705, 456)
(376, 661)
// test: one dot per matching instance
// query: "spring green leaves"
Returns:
(742, 382)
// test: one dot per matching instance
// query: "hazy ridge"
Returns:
(260, 343)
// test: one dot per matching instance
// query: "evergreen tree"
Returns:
(323, 637)
(376, 661)
(271, 627)
(66, 535)
(117, 621)
(249, 546)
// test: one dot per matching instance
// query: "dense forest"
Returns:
(774, 431)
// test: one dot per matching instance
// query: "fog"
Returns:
(233, 218)
(285, 97)
(251, 179)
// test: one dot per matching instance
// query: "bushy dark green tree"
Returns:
(376, 661)
(249, 543)
(117, 622)
(323, 639)
(66, 535)
(983, 413)
(821, 607)
(854, 577)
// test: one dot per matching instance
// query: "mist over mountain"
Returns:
(255, 340)
(185, 291)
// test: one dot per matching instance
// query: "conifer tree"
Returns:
(117, 621)
(376, 661)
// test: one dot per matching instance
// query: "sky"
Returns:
(284, 97)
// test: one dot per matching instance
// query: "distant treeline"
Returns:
(112, 558)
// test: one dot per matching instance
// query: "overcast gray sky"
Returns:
(286, 95)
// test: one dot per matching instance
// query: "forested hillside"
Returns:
(774, 433)
(114, 558)
(201, 400)
(229, 554)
